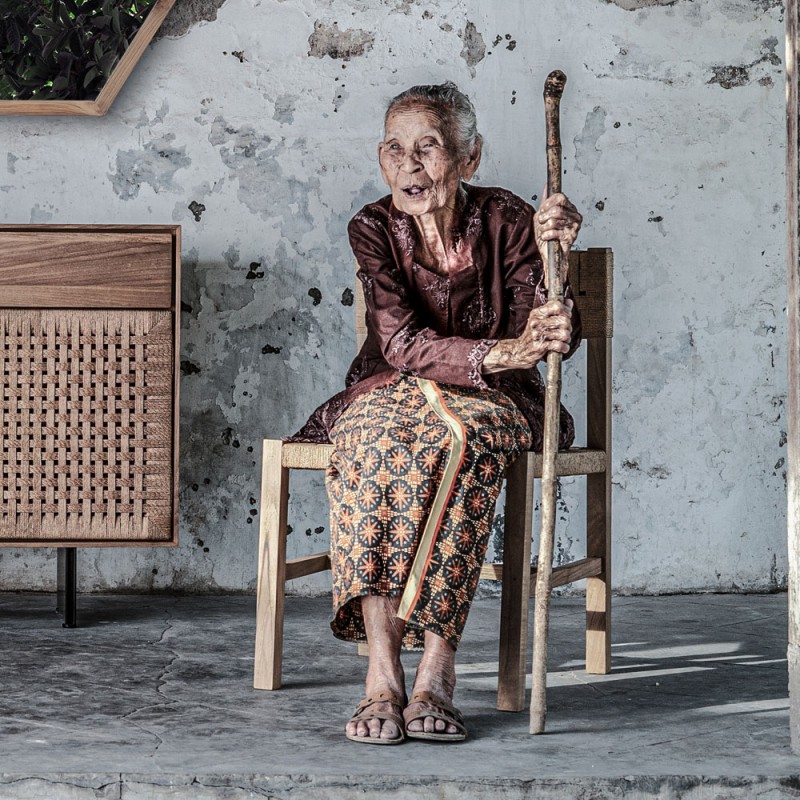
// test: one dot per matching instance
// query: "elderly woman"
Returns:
(442, 397)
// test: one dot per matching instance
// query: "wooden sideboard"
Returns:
(89, 342)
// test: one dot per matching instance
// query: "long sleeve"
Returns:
(406, 340)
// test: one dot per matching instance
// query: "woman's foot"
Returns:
(378, 717)
(435, 680)
(385, 677)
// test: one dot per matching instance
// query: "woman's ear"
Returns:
(380, 164)
(473, 161)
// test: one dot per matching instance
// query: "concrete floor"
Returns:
(151, 698)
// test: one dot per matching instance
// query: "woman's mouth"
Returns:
(415, 191)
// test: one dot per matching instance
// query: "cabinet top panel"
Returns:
(88, 266)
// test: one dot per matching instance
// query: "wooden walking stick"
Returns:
(553, 88)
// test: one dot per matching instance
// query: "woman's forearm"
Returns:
(506, 354)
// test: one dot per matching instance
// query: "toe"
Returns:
(362, 729)
(439, 725)
(415, 725)
(389, 730)
(374, 726)
(429, 724)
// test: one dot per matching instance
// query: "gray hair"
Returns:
(445, 98)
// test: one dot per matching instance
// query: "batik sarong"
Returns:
(412, 483)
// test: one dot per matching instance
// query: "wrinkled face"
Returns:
(419, 162)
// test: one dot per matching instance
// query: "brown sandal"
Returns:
(437, 708)
(362, 714)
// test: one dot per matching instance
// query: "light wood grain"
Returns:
(575, 461)
(270, 592)
(132, 55)
(49, 108)
(591, 276)
(516, 576)
(175, 309)
(307, 565)
(87, 269)
(561, 575)
(302, 455)
(598, 509)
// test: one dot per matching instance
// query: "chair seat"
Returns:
(575, 461)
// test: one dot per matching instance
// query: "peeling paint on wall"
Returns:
(328, 40)
(155, 165)
(635, 5)
(186, 13)
(587, 151)
(729, 77)
(474, 50)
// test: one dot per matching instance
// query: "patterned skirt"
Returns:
(412, 483)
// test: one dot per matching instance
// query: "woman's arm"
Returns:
(407, 343)
(534, 326)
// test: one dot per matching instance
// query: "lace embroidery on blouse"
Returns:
(405, 337)
(479, 316)
(404, 234)
(508, 201)
(475, 358)
(370, 220)
(439, 290)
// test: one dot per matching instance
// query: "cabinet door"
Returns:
(88, 390)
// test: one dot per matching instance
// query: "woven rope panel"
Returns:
(86, 416)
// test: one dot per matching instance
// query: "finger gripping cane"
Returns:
(553, 88)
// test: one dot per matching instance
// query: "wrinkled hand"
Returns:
(556, 220)
(548, 329)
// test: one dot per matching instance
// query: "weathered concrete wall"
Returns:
(253, 124)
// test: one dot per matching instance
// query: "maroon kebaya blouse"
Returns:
(441, 327)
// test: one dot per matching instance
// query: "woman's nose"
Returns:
(411, 163)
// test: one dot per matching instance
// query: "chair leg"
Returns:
(516, 585)
(271, 568)
(598, 590)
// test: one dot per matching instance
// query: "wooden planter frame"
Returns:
(99, 106)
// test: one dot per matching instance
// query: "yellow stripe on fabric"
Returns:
(455, 459)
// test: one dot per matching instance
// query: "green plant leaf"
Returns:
(79, 41)
(14, 37)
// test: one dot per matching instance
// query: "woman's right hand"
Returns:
(548, 329)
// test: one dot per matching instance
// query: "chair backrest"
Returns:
(591, 276)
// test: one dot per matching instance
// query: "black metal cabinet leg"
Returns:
(67, 597)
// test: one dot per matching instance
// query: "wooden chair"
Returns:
(591, 278)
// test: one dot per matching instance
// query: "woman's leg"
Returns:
(436, 674)
(385, 672)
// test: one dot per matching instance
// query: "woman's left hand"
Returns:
(556, 220)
